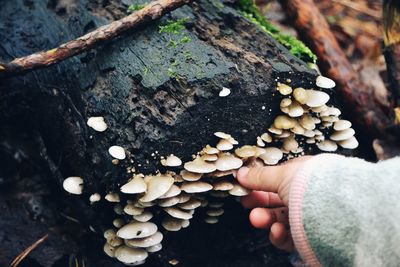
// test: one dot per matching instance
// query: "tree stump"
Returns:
(159, 93)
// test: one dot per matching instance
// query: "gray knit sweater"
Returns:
(346, 212)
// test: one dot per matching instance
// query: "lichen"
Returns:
(296, 47)
(135, 7)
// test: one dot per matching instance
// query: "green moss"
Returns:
(175, 27)
(296, 47)
(135, 7)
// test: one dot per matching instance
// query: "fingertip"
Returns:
(242, 173)
(260, 218)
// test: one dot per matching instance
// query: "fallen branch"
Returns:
(152, 11)
(28, 250)
(366, 111)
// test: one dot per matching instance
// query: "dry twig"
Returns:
(28, 250)
(152, 11)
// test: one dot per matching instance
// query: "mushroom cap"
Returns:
(156, 187)
(172, 192)
(246, 151)
(295, 110)
(275, 130)
(271, 156)
(154, 248)
(112, 197)
(325, 82)
(327, 146)
(191, 204)
(342, 135)
(137, 230)
(223, 186)
(222, 135)
(215, 212)
(183, 198)
(118, 222)
(199, 166)
(109, 250)
(266, 137)
(190, 176)
(172, 224)
(316, 98)
(126, 254)
(94, 197)
(284, 122)
(290, 144)
(350, 143)
(224, 92)
(118, 209)
(168, 202)
(73, 185)
(208, 157)
(131, 209)
(239, 190)
(307, 122)
(109, 233)
(178, 213)
(185, 223)
(210, 150)
(196, 187)
(300, 94)
(224, 145)
(284, 89)
(146, 241)
(341, 125)
(143, 217)
(216, 204)
(228, 162)
(135, 186)
(97, 123)
(260, 142)
(219, 194)
(171, 161)
(285, 102)
(117, 152)
(211, 220)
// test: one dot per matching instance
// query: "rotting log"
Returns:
(158, 91)
(370, 116)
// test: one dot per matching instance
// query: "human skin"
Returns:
(270, 199)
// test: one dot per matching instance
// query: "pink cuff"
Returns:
(296, 196)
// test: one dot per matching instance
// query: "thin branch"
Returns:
(365, 111)
(151, 12)
(27, 251)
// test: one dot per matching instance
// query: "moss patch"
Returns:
(135, 7)
(296, 47)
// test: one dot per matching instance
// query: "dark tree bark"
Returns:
(157, 93)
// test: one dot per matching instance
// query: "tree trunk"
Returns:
(158, 91)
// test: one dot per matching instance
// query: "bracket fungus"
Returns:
(306, 120)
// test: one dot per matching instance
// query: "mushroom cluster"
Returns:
(172, 197)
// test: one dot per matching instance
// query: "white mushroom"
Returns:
(171, 161)
(190, 176)
(325, 82)
(168, 202)
(97, 123)
(199, 166)
(327, 145)
(211, 220)
(210, 150)
(191, 204)
(224, 92)
(284, 89)
(73, 185)
(172, 224)
(300, 94)
(156, 187)
(224, 145)
(295, 110)
(131, 209)
(154, 248)
(117, 152)
(239, 190)
(274, 130)
(341, 125)
(228, 162)
(215, 212)
(260, 142)
(145, 242)
(284, 122)
(342, 135)
(285, 103)
(178, 213)
(109, 250)
(94, 197)
(129, 255)
(290, 144)
(316, 98)
(266, 137)
(271, 156)
(135, 186)
(172, 192)
(196, 187)
(143, 217)
(223, 186)
(112, 197)
(137, 230)
(307, 122)
(208, 157)
(350, 143)
(118, 223)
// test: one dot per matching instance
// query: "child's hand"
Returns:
(270, 201)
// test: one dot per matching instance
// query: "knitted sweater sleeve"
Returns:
(346, 212)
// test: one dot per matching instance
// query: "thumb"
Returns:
(261, 178)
